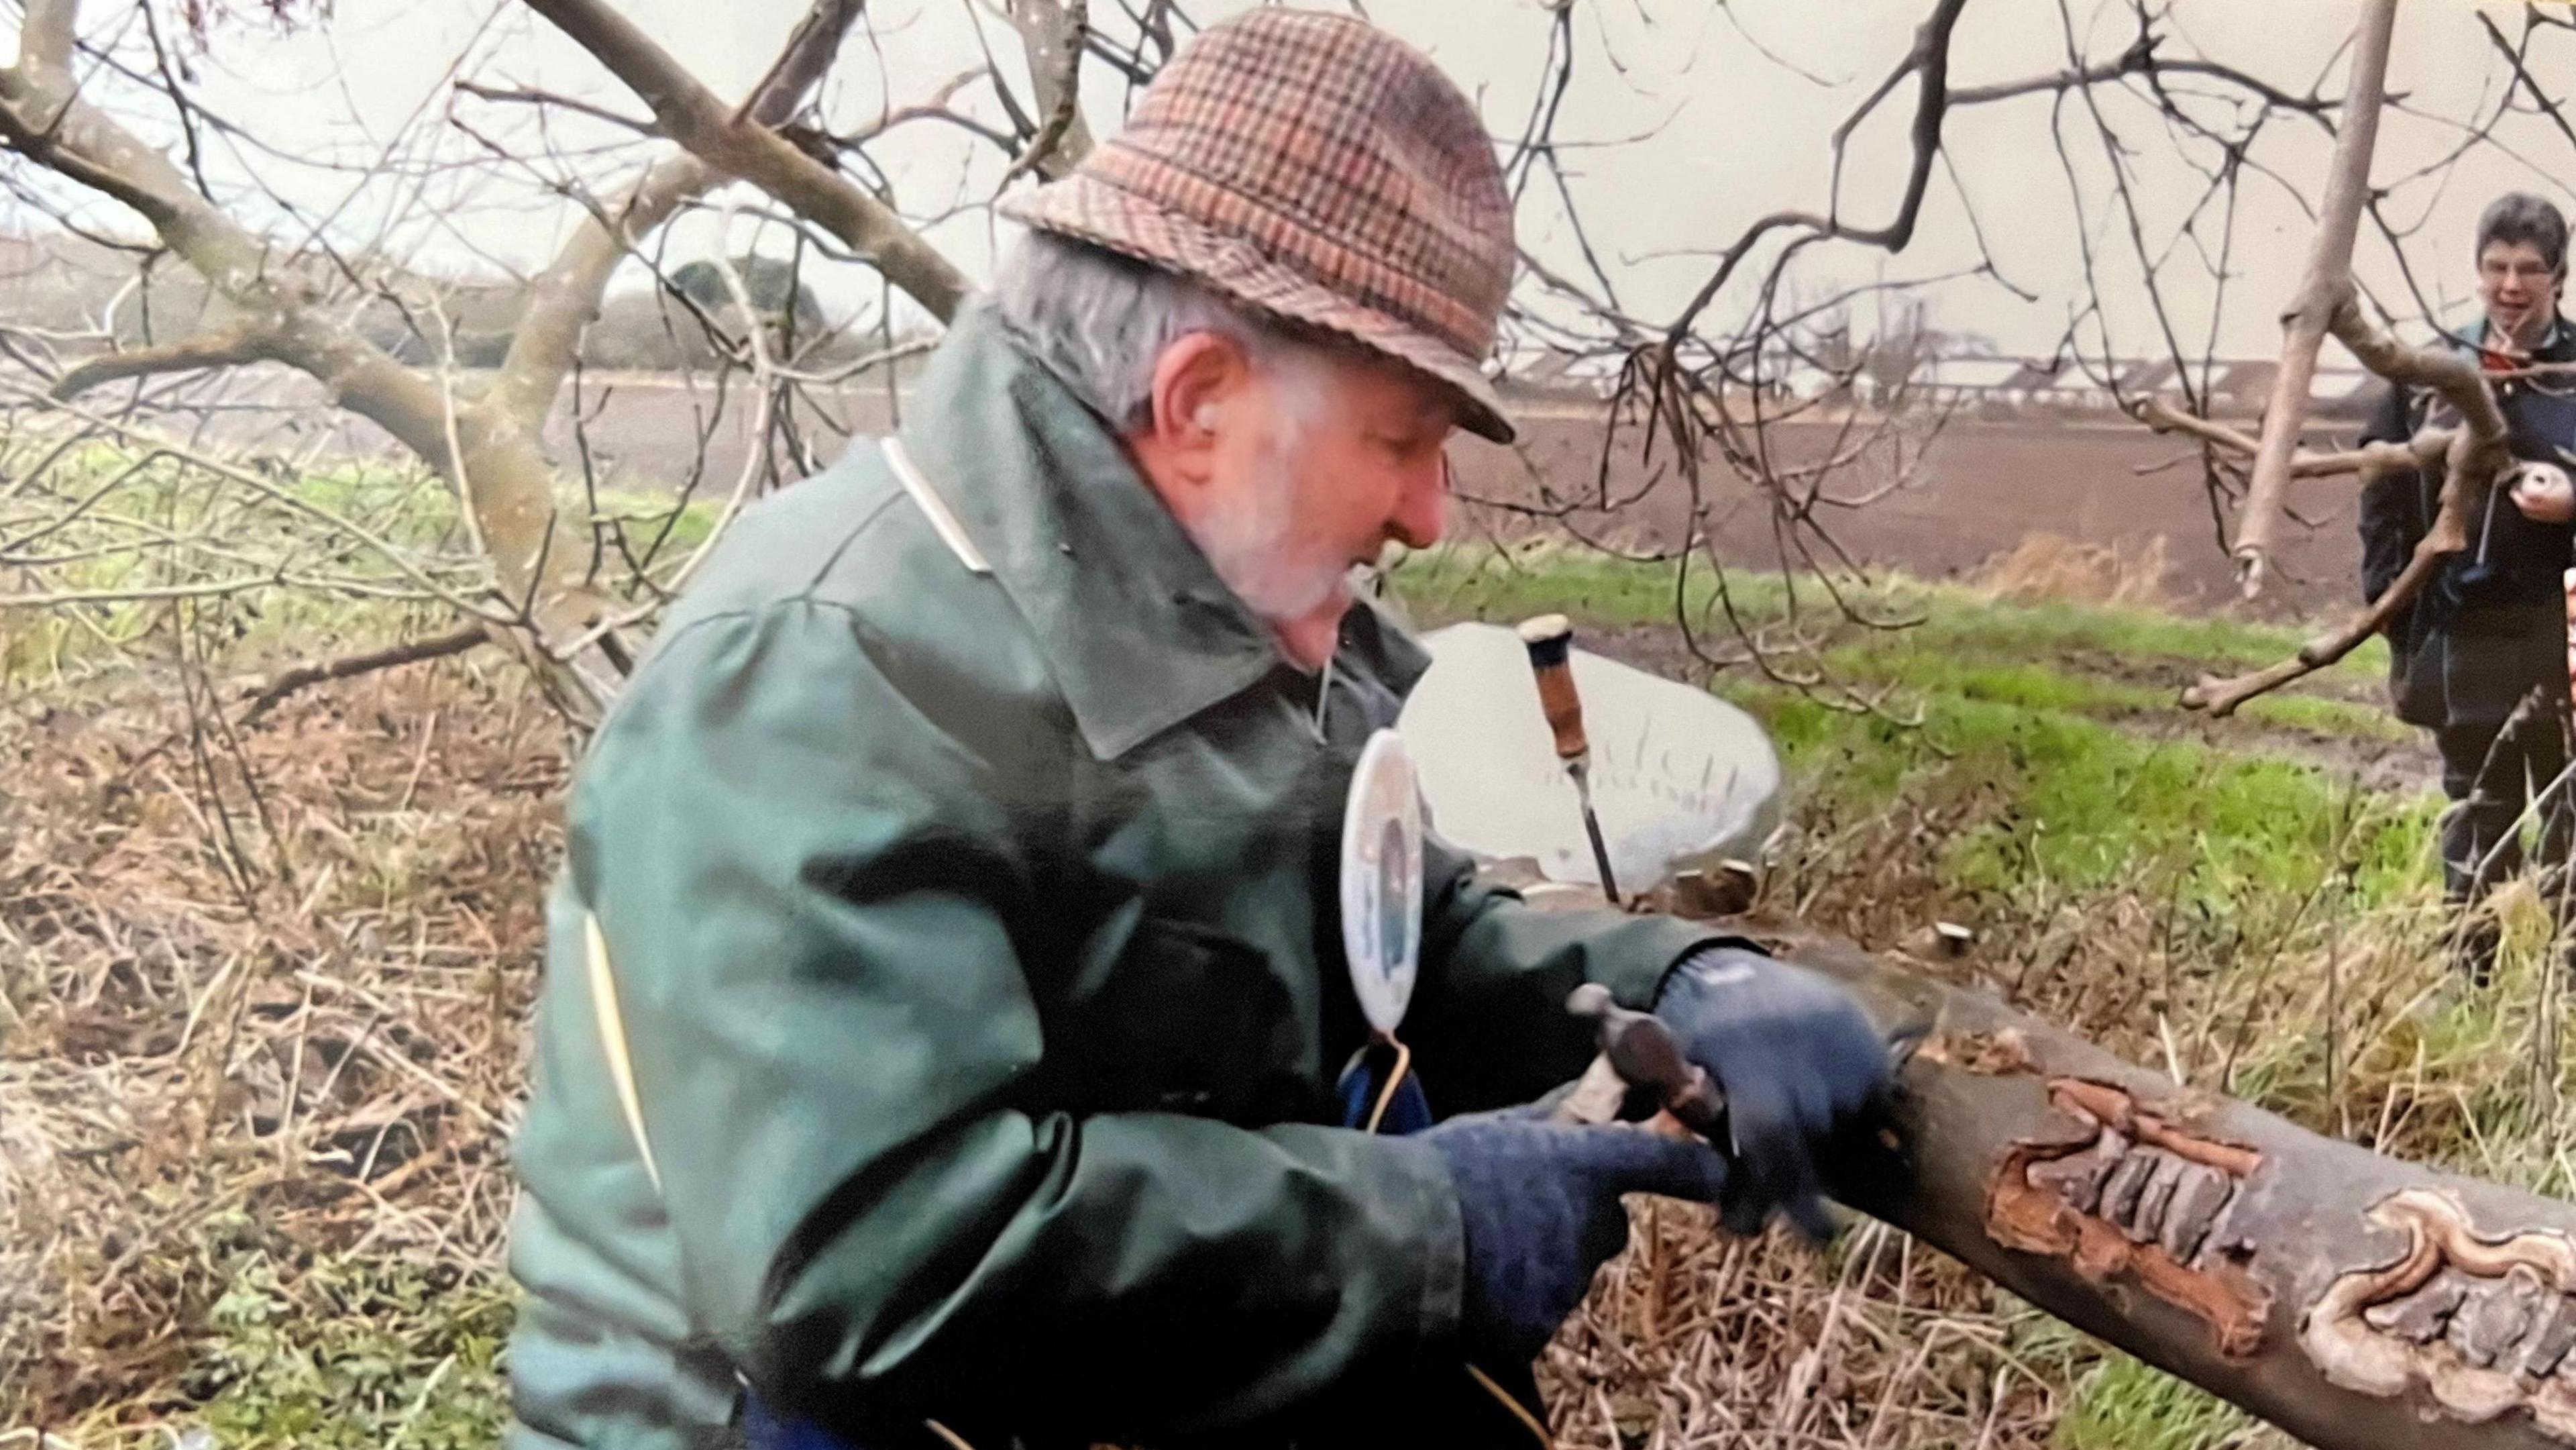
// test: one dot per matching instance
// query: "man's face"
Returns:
(2520, 290)
(1321, 459)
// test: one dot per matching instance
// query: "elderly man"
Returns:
(2490, 630)
(945, 982)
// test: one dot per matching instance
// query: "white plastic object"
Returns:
(1681, 780)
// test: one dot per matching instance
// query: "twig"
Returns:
(266, 697)
(2421, 451)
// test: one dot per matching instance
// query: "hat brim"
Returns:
(1088, 209)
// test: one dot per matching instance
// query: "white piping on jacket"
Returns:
(942, 521)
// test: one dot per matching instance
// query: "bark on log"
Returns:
(2355, 1301)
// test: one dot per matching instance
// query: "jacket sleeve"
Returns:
(2392, 520)
(805, 885)
(1488, 1024)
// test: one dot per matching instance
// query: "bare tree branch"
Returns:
(214, 350)
(2548, 105)
(692, 116)
(47, 35)
(2326, 287)
(1055, 33)
(936, 108)
(2474, 460)
(1929, 62)
(802, 62)
(506, 482)
(265, 697)
(522, 96)
(2423, 450)
(565, 297)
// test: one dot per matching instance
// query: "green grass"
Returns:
(117, 542)
(114, 515)
(1945, 619)
(2077, 803)
(2123, 1404)
(361, 1353)
(2082, 774)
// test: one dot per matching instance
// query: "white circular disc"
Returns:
(1382, 879)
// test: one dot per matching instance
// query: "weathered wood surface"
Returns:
(2354, 1300)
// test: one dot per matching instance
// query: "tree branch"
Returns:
(505, 482)
(2139, 59)
(2421, 451)
(265, 697)
(2326, 288)
(2219, 1242)
(802, 62)
(2474, 458)
(1054, 33)
(692, 116)
(215, 350)
(2548, 106)
(565, 297)
(934, 109)
(521, 96)
(1929, 61)
(47, 35)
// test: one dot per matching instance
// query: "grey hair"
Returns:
(2518, 217)
(1100, 322)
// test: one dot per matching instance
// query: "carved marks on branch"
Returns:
(2131, 1195)
(2475, 1327)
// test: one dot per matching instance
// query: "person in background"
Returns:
(2489, 632)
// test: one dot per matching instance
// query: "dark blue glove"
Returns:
(1801, 1066)
(1540, 1205)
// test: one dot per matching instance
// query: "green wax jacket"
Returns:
(945, 987)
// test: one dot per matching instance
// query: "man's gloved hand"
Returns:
(1540, 1205)
(1800, 1065)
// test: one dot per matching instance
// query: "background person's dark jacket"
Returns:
(2477, 639)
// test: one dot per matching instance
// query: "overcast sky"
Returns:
(1685, 121)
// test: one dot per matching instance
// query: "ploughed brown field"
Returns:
(1974, 489)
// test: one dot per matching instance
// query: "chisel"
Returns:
(1550, 641)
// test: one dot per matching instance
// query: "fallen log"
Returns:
(2356, 1301)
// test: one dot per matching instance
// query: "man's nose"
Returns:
(1422, 511)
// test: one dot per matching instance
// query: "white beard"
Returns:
(1246, 541)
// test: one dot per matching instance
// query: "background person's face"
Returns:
(2519, 289)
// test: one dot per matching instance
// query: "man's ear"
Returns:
(1195, 379)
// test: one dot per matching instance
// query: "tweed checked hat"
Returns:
(1316, 168)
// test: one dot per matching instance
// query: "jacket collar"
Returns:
(1139, 631)
(2558, 344)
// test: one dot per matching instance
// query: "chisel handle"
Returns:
(1550, 641)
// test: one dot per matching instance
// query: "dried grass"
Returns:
(2045, 567)
(265, 1000)
(265, 1015)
